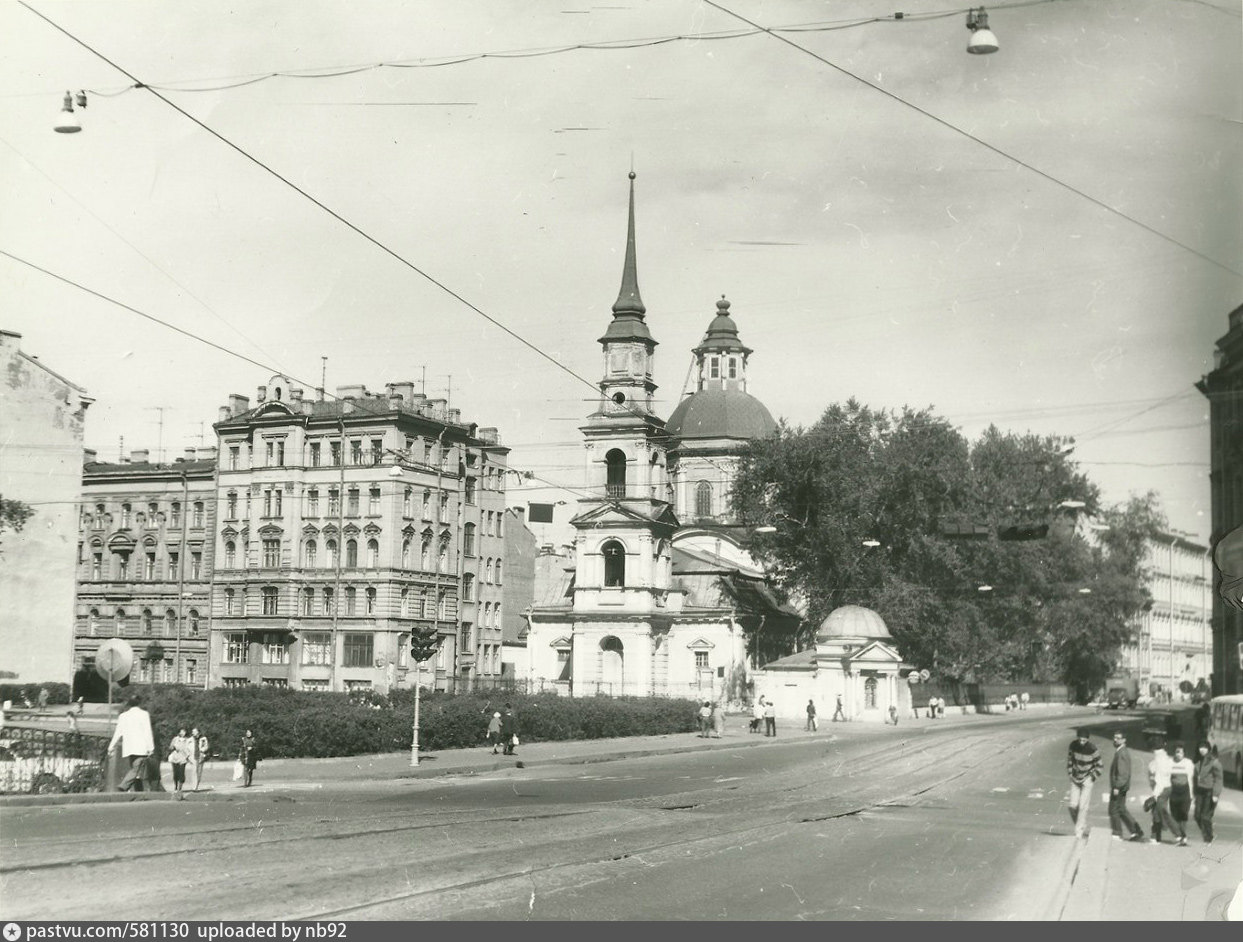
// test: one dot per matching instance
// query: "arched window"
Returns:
(145, 620)
(498, 572)
(614, 563)
(496, 614)
(373, 553)
(615, 462)
(405, 553)
(425, 550)
(229, 600)
(487, 571)
(94, 620)
(407, 510)
(485, 614)
(703, 499)
(330, 550)
(468, 588)
(442, 559)
(442, 606)
(118, 621)
(351, 554)
(311, 554)
(425, 604)
(405, 602)
(370, 600)
(427, 505)
(192, 622)
(869, 693)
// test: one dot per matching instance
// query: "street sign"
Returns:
(114, 659)
(925, 675)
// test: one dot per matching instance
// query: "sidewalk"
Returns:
(278, 775)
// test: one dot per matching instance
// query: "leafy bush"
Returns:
(291, 723)
(57, 693)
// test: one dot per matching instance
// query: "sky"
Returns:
(1048, 238)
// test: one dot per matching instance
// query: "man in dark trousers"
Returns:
(509, 729)
(1119, 783)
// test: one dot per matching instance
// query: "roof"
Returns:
(722, 334)
(800, 661)
(197, 466)
(721, 413)
(852, 621)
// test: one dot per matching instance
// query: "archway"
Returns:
(612, 665)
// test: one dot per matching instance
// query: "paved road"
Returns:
(952, 823)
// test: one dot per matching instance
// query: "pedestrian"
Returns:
(198, 756)
(838, 711)
(494, 731)
(1208, 782)
(1024, 698)
(180, 753)
(43, 697)
(1083, 765)
(1182, 777)
(248, 755)
(1159, 803)
(770, 719)
(940, 708)
(134, 734)
(932, 707)
(757, 715)
(893, 714)
(718, 720)
(811, 716)
(1007, 702)
(509, 731)
(705, 719)
(1119, 784)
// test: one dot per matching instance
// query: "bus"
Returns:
(1226, 733)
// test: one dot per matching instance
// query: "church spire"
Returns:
(628, 300)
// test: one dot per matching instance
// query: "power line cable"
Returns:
(967, 134)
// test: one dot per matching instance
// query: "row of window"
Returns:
(119, 622)
(312, 602)
(273, 504)
(146, 568)
(310, 555)
(150, 519)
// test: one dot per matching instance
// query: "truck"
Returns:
(1121, 692)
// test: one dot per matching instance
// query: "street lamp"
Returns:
(67, 122)
(982, 40)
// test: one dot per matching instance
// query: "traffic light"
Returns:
(1022, 531)
(424, 642)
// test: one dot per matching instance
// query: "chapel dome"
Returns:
(852, 621)
(721, 413)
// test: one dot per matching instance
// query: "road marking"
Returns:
(1001, 789)
(735, 778)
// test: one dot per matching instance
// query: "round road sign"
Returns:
(114, 659)
(925, 675)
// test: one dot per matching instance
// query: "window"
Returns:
(356, 452)
(468, 540)
(369, 601)
(442, 604)
(425, 550)
(231, 506)
(701, 660)
(125, 512)
(352, 507)
(373, 501)
(427, 505)
(351, 553)
(271, 553)
(315, 454)
(469, 488)
(733, 367)
(334, 502)
(317, 648)
(468, 637)
(312, 502)
(329, 602)
(356, 650)
(487, 571)
(198, 514)
(270, 449)
(306, 605)
(230, 555)
(405, 553)
(144, 621)
(335, 448)
(230, 599)
(714, 367)
(192, 623)
(351, 599)
(405, 602)
(615, 473)
(703, 499)
(196, 565)
(97, 565)
(280, 452)
(235, 647)
(234, 682)
(93, 621)
(377, 450)
(233, 455)
(174, 515)
(97, 523)
(192, 669)
(407, 504)
(496, 614)
(310, 553)
(268, 502)
(273, 650)
(444, 506)
(148, 567)
(468, 588)
(485, 615)
(488, 525)
(122, 567)
(373, 553)
(425, 604)
(270, 597)
(869, 693)
(442, 557)
(498, 572)
(331, 554)
(152, 510)
(614, 563)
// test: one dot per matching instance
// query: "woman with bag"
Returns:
(248, 758)
(181, 751)
(509, 731)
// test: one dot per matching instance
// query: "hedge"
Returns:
(296, 724)
(57, 693)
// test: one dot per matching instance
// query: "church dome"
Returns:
(852, 621)
(720, 413)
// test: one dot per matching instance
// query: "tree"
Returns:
(14, 514)
(854, 511)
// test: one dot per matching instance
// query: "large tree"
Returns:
(855, 510)
(13, 515)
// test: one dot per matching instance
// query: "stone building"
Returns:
(1223, 388)
(521, 551)
(343, 525)
(145, 554)
(42, 418)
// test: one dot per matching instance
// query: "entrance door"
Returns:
(612, 666)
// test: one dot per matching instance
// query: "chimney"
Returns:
(404, 390)
(223, 415)
(89, 456)
(139, 455)
(395, 401)
(190, 454)
(357, 391)
(455, 416)
(261, 395)
(437, 406)
(238, 404)
(207, 453)
(295, 395)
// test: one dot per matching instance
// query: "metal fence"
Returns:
(48, 761)
(458, 685)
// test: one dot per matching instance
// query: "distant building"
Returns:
(1223, 388)
(145, 559)
(42, 416)
(343, 525)
(521, 550)
(1173, 643)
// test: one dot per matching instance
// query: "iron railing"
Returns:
(34, 759)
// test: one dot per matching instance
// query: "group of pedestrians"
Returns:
(711, 720)
(763, 716)
(1178, 785)
(503, 731)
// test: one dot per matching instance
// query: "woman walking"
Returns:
(494, 731)
(198, 757)
(1208, 782)
(718, 720)
(1182, 774)
(249, 757)
(180, 752)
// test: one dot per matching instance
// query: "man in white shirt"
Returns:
(134, 734)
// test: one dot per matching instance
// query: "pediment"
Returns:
(270, 530)
(876, 651)
(330, 529)
(310, 530)
(121, 543)
(351, 529)
(701, 644)
(408, 531)
(371, 529)
(273, 407)
(562, 642)
(620, 514)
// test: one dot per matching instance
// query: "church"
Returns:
(660, 597)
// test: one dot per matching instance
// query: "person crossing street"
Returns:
(1084, 766)
(1120, 819)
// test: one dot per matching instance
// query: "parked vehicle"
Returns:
(1226, 733)
(1121, 692)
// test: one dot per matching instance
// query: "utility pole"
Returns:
(159, 438)
(1173, 681)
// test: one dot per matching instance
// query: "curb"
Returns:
(1083, 894)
